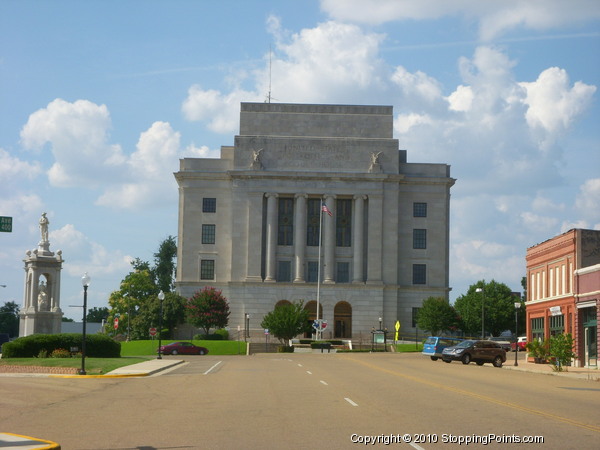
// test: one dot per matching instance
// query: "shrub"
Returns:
(97, 345)
(561, 350)
(208, 337)
(43, 354)
(223, 333)
(60, 353)
(285, 349)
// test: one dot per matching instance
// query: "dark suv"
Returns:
(478, 351)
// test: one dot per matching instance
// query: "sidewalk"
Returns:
(569, 372)
(145, 368)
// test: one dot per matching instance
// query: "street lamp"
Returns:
(246, 326)
(482, 314)
(380, 321)
(517, 306)
(85, 281)
(161, 297)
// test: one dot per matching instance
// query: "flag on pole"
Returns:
(325, 209)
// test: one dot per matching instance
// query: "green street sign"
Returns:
(6, 224)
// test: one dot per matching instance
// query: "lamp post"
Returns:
(482, 311)
(380, 322)
(161, 297)
(517, 306)
(85, 281)
(246, 326)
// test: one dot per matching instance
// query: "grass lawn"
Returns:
(93, 366)
(150, 347)
(409, 347)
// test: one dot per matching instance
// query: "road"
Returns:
(305, 401)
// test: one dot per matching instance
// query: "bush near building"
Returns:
(96, 345)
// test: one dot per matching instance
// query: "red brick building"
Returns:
(552, 288)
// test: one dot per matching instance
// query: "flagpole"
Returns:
(319, 267)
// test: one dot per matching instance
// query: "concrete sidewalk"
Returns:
(145, 368)
(582, 373)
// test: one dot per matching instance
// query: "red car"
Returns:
(182, 348)
(521, 343)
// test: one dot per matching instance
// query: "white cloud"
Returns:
(587, 202)
(13, 169)
(494, 17)
(77, 133)
(553, 105)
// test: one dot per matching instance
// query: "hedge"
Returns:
(96, 345)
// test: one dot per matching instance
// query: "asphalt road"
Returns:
(305, 401)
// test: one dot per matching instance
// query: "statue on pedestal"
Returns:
(44, 222)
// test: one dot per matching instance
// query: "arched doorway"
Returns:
(342, 320)
(311, 307)
(282, 303)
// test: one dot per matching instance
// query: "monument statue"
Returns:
(44, 222)
(375, 166)
(43, 304)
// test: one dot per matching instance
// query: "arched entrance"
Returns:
(311, 307)
(342, 320)
(282, 303)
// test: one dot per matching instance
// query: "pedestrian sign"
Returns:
(6, 224)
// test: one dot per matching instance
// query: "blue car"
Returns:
(435, 345)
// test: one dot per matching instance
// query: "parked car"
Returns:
(182, 348)
(434, 346)
(503, 341)
(478, 351)
(521, 343)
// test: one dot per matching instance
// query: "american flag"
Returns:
(325, 209)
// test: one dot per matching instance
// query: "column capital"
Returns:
(360, 197)
(301, 196)
(271, 194)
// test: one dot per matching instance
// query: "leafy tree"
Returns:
(9, 319)
(67, 319)
(97, 314)
(437, 315)
(561, 349)
(208, 309)
(149, 315)
(498, 305)
(287, 321)
(165, 264)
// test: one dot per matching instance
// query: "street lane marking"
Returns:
(481, 397)
(299, 365)
(350, 401)
(208, 371)
(309, 372)
(322, 382)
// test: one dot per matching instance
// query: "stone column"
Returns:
(358, 239)
(328, 242)
(254, 256)
(300, 237)
(271, 237)
(375, 240)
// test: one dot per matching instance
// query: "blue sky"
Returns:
(99, 100)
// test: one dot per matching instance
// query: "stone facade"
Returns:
(250, 221)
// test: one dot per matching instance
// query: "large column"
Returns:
(358, 239)
(254, 256)
(375, 240)
(300, 236)
(328, 243)
(271, 237)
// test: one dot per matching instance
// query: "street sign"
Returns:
(116, 323)
(6, 224)
(152, 331)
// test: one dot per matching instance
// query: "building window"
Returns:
(419, 273)
(419, 209)
(537, 328)
(284, 271)
(208, 234)
(343, 222)
(415, 316)
(419, 238)
(207, 269)
(285, 222)
(313, 215)
(312, 272)
(342, 272)
(557, 325)
(209, 205)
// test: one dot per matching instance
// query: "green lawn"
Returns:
(409, 347)
(93, 366)
(150, 348)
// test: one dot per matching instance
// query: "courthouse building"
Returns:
(250, 221)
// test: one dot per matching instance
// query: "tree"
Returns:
(208, 309)
(9, 319)
(165, 265)
(97, 314)
(287, 321)
(437, 315)
(498, 304)
(173, 313)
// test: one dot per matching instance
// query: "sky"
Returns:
(100, 99)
